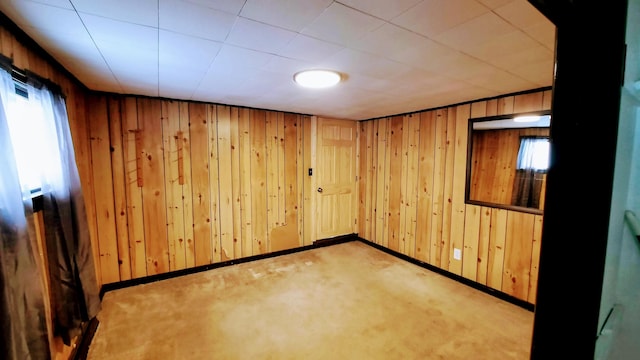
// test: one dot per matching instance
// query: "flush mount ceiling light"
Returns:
(532, 118)
(317, 79)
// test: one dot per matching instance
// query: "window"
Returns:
(31, 132)
(533, 154)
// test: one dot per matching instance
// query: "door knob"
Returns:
(319, 189)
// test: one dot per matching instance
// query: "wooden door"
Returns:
(335, 177)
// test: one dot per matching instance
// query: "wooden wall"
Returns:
(411, 197)
(183, 184)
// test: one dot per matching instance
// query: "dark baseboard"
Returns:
(81, 350)
(172, 274)
(335, 240)
(316, 244)
(498, 294)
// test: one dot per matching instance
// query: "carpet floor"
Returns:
(344, 301)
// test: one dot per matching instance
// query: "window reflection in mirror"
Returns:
(508, 160)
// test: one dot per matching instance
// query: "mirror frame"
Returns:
(467, 188)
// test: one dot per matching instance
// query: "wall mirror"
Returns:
(508, 157)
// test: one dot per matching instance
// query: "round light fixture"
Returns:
(317, 79)
(527, 118)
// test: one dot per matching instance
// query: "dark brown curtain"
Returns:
(527, 187)
(74, 288)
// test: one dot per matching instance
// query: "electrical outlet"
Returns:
(457, 254)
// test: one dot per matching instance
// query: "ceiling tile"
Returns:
(499, 50)
(230, 6)
(479, 30)
(457, 66)
(66, 4)
(341, 25)
(195, 20)
(303, 47)
(287, 66)
(288, 14)
(538, 72)
(401, 45)
(432, 17)
(544, 33)
(356, 62)
(493, 4)
(143, 12)
(138, 69)
(386, 10)
(37, 15)
(233, 57)
(387, 40)
(499, 80)
(522, 14)
(258, 36)
(183, 62)
(186, 52)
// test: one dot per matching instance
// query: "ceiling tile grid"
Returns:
(396, 56)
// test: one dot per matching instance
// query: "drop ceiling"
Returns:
(396, 56)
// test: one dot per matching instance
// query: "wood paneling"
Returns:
(193, 183)
(415, 169)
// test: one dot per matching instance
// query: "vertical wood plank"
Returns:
(225, 182)
(402, 231)
(135, 218)
(484, 240)
(547, 98)
(103, 182)
(426, 163)
(362, 218)
(301, 176)
(413, 139)
(153, 192)
(281, 171)
(272, 168)
(119, 188)
(309, 148)
(258, 181)
(535, 259)
(497, 241)
(381, 180)
(460, 121)
(245, 181)
(368, 174)
(236, 183)
(394, 160)
(214, 181)
(518, 250)
(528, 102)
(172, 139)
(199, 133)
(187, 193)
(470, 242)
(439, 167)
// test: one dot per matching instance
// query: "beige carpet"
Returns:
(345, 301)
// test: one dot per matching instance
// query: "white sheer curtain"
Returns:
(533, 154)
(24, 334)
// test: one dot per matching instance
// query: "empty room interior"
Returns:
(187, 198)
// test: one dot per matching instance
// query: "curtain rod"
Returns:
(25, 76)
